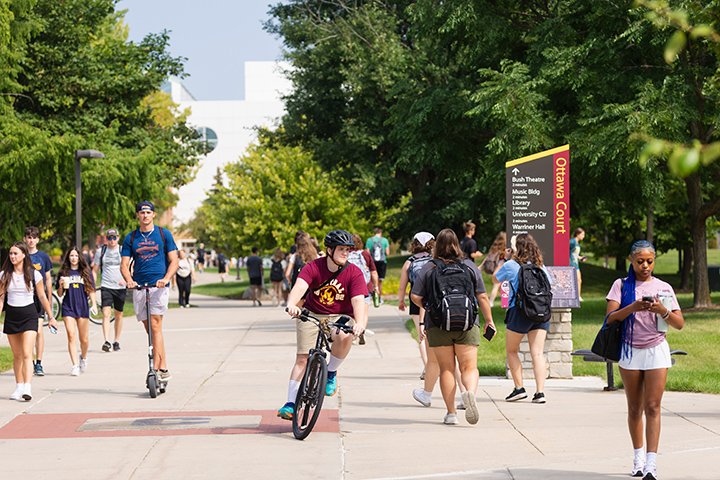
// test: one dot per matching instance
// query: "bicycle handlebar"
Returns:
(340, 323)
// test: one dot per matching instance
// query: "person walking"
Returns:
(305, 252)
(222, 262)
(113, 289)
(468, 245)
(201, 258)
(42, 263)
(491, 262)
(576, 258)
(184, 278)
(451, 345)
(19, 283)
(155, 258)
(527, 251)
(277, 270)
(255, 274)
(334, 287)
(646, 305)
(76, 283)
(379, 248)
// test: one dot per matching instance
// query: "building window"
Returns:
(208, 137)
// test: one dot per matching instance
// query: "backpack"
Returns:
(377, 250)
(451, 303)
(534, 295)
(416, 264)
(490, 263)
(103, 249)
(276, 271)
(297, 266)
(356, 258)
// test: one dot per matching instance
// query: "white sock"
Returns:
(334, 363)
(20, 387)
(293, 387)
(650, 460)
(638, 452)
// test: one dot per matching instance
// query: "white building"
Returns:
(229, 125)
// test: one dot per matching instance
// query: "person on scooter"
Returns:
(328, 287)
(155, 255)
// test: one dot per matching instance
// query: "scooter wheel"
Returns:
(152, 386)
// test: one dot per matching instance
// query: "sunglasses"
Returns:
(112, 237)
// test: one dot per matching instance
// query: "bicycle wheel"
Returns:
(56, 304)
(310, 397)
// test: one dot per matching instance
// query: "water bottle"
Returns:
(665, 298)
(376, 299)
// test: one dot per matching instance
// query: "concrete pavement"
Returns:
(230, 364)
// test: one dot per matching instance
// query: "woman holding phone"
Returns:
(647, 305)
(18, 282)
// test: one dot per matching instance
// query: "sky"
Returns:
(216, 37)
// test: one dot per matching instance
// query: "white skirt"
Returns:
(648, 358)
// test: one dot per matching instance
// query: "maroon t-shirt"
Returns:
(335, 297)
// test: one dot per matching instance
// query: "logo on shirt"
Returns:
(147, 249)
(330, 293)
(37, 266)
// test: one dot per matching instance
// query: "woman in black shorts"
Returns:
(18, 282)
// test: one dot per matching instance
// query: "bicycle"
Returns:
(311, 392)
(153, 382)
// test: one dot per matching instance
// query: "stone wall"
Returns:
(558, 347)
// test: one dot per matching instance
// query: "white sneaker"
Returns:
(471, 411)
(83, 365)
(17, 394)
(459, 404)
(75, 372)
(27, 392)
(450, 419)
(423, 397)
(638, 467)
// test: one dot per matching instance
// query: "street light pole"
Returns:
(78, 191)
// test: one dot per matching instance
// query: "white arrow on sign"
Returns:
(515, 171)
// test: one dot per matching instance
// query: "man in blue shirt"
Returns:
(42, 263)
(156, 260)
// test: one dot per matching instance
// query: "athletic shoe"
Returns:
(459, 405)
(287, 411)
(450, 419)
(422, 375)
(650, 474)
(75, 372)
(116, 347)
(17, 394)
(106, 346)
(638, 467)
(83, 365)
(516, 394)
(423, 397)
(539, 397)
(471, 411)
(27, 392)
(331, 385)
(164, 375)
(38, 370)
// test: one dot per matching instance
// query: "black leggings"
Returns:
(184, 285)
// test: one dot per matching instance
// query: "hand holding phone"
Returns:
(52, 329)
(648, 298)
(489, 333)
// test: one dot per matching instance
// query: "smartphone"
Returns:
(648, 298)
(489, 333)
(52, 329)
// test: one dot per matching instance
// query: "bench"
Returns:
(589, 356)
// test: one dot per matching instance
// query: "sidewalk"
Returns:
(230, 365)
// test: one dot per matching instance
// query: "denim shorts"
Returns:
(515, 321)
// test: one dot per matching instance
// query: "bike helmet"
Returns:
(339, 237)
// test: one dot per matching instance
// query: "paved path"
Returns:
(230, 364)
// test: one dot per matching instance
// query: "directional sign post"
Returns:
(538, 201)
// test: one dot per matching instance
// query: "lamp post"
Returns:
(78, 191)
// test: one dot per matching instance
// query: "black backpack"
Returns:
(297, 266)
(452, 304)
(276, 271)
(534, 295)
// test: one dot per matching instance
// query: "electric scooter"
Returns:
(152, 381)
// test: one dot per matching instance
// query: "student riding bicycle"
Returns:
(328, 287)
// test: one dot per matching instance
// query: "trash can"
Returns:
(714, 277)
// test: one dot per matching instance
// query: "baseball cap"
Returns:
(424, 237)
(111, 231)
(145, 205)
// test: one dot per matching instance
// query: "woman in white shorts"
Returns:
(647, 305)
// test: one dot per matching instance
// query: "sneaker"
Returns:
(287, 411)
(164, 375)
(106, 346)
(516, 394)
(450, 419)
(539, 397)
(471, 411)
(75, 372)
(116, 347)
(38, 370)
(331, 385)
(650, 474)
(638, 467)
(422, 375)
(17, 394)
(423, 397)
(460, 405)
(27, 392)
(83, 365)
